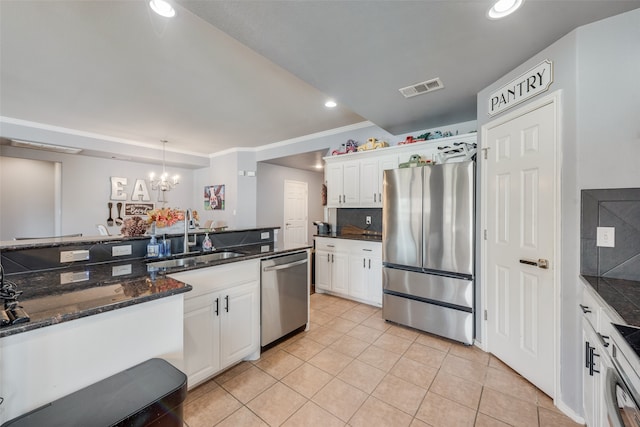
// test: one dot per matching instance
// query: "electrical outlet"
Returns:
(368, 220)
(71, 256)
(121, 250)
(606, 237)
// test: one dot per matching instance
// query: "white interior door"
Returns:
(295, 214)
(521, 228)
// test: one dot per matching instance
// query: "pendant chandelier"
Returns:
(163, 183)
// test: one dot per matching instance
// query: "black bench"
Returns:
(149, 394)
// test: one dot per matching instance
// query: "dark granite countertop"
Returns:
(621, 295)
(365, 237)
(98, 288)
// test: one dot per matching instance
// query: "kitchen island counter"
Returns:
(59, 295)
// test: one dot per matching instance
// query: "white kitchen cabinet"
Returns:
(221, 318)
(342, 184)
(371, 176)
(331, 266)
(596, 325)
(365, 272)
(350, 269)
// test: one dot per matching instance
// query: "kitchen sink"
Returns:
(192, 260)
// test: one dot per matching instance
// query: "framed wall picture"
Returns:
(214, 197)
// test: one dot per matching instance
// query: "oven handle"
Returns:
(611, 405)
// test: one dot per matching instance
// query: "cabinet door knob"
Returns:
(585, 309)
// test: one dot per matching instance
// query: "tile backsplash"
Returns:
(357, 217)
(618, 208)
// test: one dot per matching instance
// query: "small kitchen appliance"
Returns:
(324, 228)
(11, 313)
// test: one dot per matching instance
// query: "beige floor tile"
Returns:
(330, 361)
(248, 384)
(496, 363)
(414, 372)
(276, 404)
(365, 308)
(355, 315)
(399, 393)
(349, 346)
(502, 380)
(426, 355)
(365, 333)
(457, 389)
(307, 380)
(335, 309)
(304, 348)
(311, 415)
(376, 321)
(363, 376)
(465, 368)
(554, 419)
(404, 332)
(242, 417)
(483, 420)
(321, 318)
(198, 391)
(341, 325)
(325, 335)
(470, 352)
(232, 372)
(392, 343)
(340, 399)
(417, 423)
(279, 364)
(546, 402)
(433, 341)
(376, 413)
(347, 303)
(210, 408)
(379, 358)
(440, 412)
(508, 409)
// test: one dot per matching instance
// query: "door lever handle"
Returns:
(541, 263)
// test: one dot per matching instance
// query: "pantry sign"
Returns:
(535, 81)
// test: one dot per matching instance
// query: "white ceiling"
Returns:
(225, 74)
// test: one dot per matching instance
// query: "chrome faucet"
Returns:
(188, 223)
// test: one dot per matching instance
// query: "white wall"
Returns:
(596, 68)
(86, 187)
(270, 197)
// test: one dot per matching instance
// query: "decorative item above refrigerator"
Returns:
(428, 248)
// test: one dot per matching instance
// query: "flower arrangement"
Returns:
(134, 226)
(165, 217)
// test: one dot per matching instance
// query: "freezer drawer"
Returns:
(447, 322)
(448, 290)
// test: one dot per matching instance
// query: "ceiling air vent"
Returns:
(420, 88)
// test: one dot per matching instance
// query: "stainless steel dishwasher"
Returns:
(285, 295)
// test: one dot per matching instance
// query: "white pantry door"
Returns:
(295, 214)
(520, 235)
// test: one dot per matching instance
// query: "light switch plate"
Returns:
(606, 237)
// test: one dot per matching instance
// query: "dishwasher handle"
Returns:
(287, 265)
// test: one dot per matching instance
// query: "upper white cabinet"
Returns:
(356, 179)
(342, 184)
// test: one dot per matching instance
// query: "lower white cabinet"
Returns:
(221, 318)
(349, 268)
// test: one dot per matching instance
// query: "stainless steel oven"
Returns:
(622, 382)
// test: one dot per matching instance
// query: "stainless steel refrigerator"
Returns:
(428, 248)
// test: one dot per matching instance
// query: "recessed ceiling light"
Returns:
(162, 8)
(330, 103)
(502, 8)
